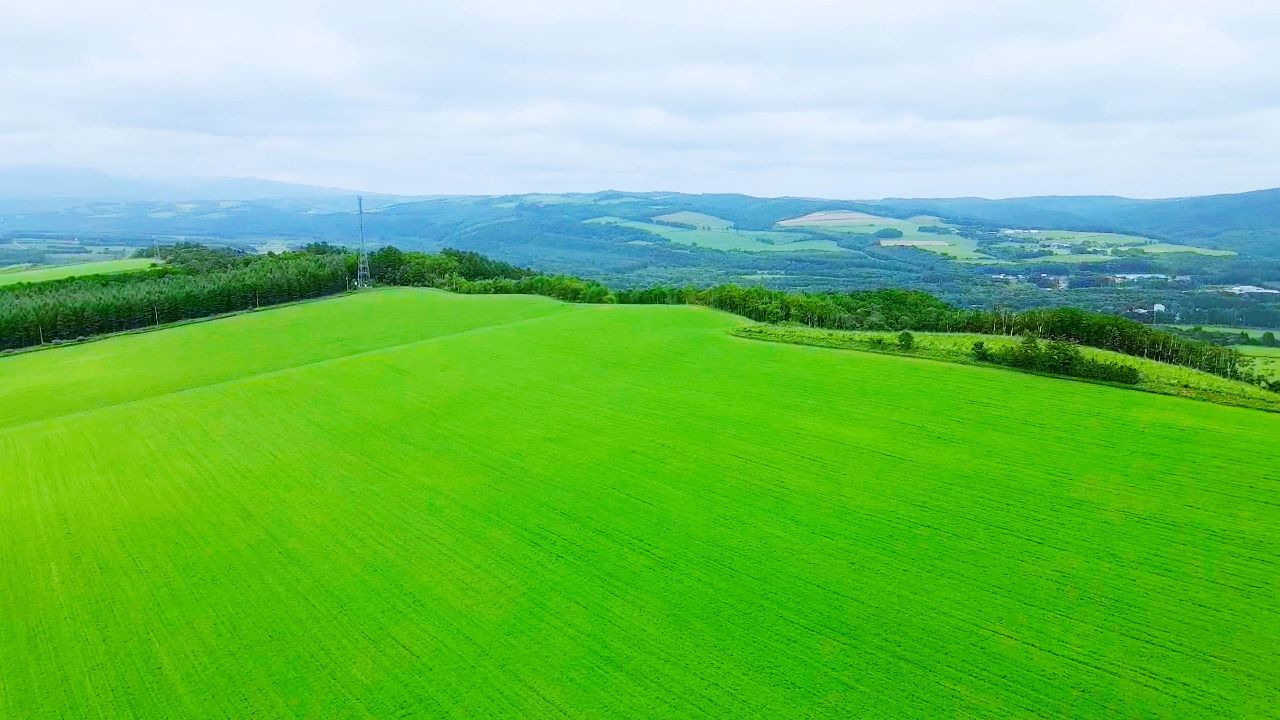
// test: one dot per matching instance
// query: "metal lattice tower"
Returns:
(362, 272)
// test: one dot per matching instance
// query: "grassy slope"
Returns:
(697, 219)
(966, 249)
(618, 511)
(1075, 236)
(1252, 332)
(1169, 248)
(961, 248)
(1157, 377)
(112, 371)
(64, 271)
(743, 240)
(1265, 359)
(862, 223)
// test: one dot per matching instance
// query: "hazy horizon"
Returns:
(10, 176)
(818, 99)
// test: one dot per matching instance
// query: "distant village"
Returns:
(1150, 313)
(1064, 282)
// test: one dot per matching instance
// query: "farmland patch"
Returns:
(409, 503)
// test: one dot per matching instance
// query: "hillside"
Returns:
(247, 208)
(1157, 377)
(408, 502)
(1245, 222)
(1191, 253)
(61, 187)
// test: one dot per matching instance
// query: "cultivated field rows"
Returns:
(619, 511)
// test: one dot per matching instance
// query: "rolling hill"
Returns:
(674, 238)
(406, 502)
(1244, 222)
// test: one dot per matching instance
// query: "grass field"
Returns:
(1103, 241)
(859, 222)
(1258, 351)
(1252, 332)
(1072, 237)
(1160, 248)
(697, 219)
(1265, 359)
(64, 271)
(958, 347)
(915, 243)
(742, 240)
(954, 246)
(407, 503)
(849, 221)
(966, 250)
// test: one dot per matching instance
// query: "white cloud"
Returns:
(1146, 97)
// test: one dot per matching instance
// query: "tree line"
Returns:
(197, 281)
(898, 310)
(1056, 357)
(77, 308)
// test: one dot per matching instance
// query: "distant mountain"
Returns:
(27, 188)
(52, 184)
(250, 189)
(630, 238)
(1245, 222)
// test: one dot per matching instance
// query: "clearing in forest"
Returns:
(698, 220)
(729, 238)
(56, 272)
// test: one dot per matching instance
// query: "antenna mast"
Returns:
(362, 272)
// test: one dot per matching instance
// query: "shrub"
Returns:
(980, 351)
(1059, 358)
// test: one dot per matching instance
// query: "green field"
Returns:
(849, 221)
(1103, 241)
(1265, 359)
(742, 240)
(843, 221)
(1073, 237)
(57, 272)
(960, 248)
(1157, 377)
(1171, 248)
(1258, 350)
(1252, 332)
(407, 503)
(696, 219)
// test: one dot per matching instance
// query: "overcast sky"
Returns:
(839, 99)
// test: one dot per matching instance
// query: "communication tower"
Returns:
(362, 271)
